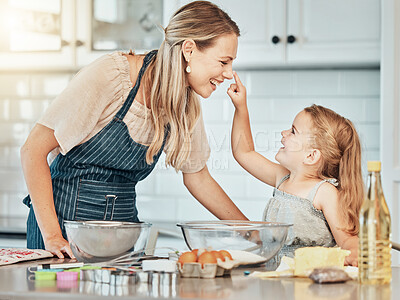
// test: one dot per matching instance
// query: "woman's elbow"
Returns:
(239, 157)
(24, 153)
(190, 179)
(27, 157)
(28, 152)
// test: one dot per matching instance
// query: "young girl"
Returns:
(318, 182)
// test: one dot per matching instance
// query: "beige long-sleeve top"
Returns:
(92, 99)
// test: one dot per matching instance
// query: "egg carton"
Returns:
(198, 270)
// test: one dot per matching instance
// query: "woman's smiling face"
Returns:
(211, 66)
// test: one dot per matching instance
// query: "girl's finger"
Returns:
(233, 87)
(237, 80)
(231, 93)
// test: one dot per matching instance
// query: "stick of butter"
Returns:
(308, 258)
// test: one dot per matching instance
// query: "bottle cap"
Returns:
(374, 166)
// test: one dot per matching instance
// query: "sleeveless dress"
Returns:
(96, 180)
(310, 227)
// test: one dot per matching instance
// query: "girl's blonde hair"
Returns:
(338, 141)
(172, 100)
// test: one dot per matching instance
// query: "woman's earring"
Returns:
(188, 69)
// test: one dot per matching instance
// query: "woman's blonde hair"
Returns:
(338, 141)
(172, 101)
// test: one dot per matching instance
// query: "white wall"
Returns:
(274, 98)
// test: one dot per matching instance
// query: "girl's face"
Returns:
(211, 66)
(296, 142)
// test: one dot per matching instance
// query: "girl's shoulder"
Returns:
(326, 195)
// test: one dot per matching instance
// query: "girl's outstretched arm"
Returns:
(242, 141)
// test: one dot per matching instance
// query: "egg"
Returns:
(217, 255)
(196, 252)
(187, 257)
(226, 254)
(206, 258)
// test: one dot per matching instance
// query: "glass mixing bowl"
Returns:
(261, 238)
(97, 241)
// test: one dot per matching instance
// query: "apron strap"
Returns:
(132, 94)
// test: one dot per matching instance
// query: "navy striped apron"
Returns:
(96, 180)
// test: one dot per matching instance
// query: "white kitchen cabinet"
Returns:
(305, 32)
(274, 33)
(68, 34)
(36, 34)
(333, 32)
(118, 27)
(259, 21)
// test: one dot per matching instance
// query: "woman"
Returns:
(106, 136)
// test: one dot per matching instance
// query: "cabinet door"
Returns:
(104, 26)
(259, 21)
(331, 32)
(36, 34)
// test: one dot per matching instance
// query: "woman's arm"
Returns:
(242, 141)
(208, 192)
(36, 170)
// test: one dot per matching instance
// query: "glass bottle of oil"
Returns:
(374, 257)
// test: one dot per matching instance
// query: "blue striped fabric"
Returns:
(87, 178)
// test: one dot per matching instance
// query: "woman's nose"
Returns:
(284, 132)
(228, 73)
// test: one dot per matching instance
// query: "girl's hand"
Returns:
(59, 246)
(237, 92)
(352, 259)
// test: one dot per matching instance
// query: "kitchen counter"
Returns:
(16, 282)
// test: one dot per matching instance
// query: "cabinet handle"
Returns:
(79, 43)
(291, 39)
(275, 39)
(64, 43)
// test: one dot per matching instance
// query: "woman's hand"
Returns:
(59, 246)
(237, 92)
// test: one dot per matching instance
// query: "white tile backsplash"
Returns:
(252, 208)
(257, 190)
(369, 135)
(274, 99)
(14, 85)
(49, 84)
(188, 209)
(159, 208)
(270, 83)
(360, 83)
(12, 180)
(13, 133)
(306, 83)
(170, 183)
(5, 109)
(232, 183)
(27, 109)
(15, 207)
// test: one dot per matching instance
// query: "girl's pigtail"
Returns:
(350, 177)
